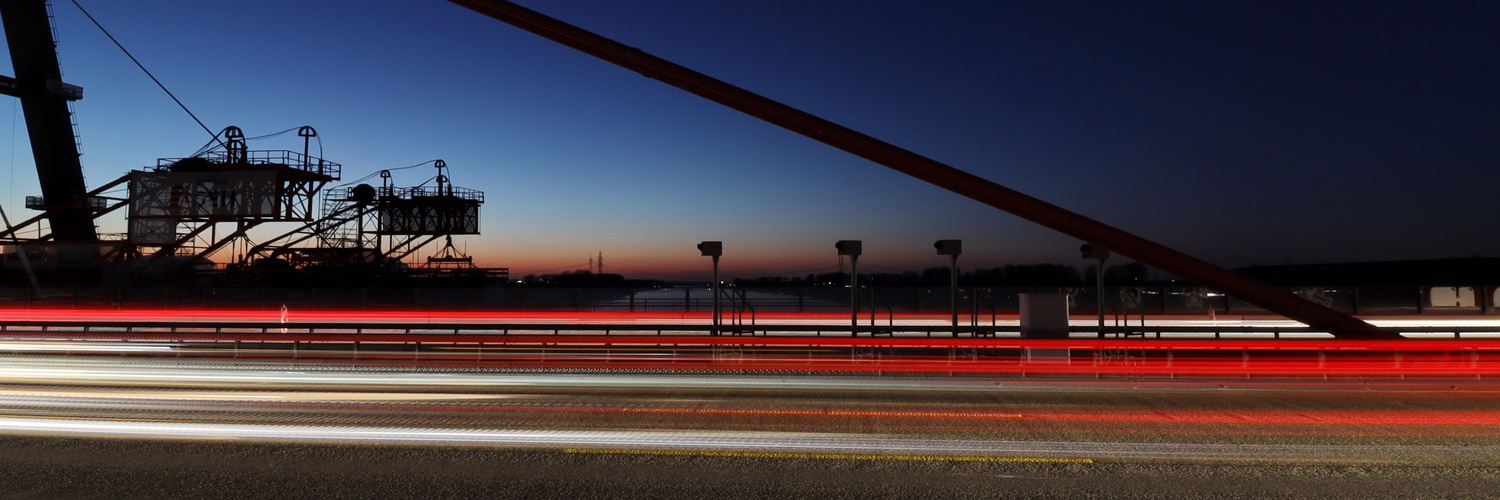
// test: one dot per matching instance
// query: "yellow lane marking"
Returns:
(825, 456)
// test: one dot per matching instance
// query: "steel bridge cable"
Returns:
(270, 135)
(148, 72)
(377, 172)
(424, 183)
(209, 146)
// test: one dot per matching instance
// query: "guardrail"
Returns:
(1131, 302)
(209, 330)
(796, 348)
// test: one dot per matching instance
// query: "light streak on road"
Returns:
(755, 416)
(1425, 419)
(828, 456)
(762, 442)
(188, 372)
(651, 318)
(106, 347)
(1168, 358)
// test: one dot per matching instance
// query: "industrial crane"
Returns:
(49, 121)
(175, 208)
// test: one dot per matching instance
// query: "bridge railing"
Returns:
(1120, 302)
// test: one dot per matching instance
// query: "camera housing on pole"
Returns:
(852, 249)
(713, 249)
(951, 248)
(1098, 252)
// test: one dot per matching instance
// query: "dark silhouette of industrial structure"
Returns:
(185, 212)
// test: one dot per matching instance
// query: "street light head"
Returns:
(711, 248)
(849, 247)
(1096, 251)
(949, 247)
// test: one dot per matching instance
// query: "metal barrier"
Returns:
(208, 330)
(789, 348)
(1144, 301)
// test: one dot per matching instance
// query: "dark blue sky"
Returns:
(1243, 133)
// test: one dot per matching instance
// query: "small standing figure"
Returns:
(283, 317)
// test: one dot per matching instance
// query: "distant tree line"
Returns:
(585, 278)
(1023, 275)
(1010, 275)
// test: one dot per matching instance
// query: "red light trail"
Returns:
(477, 340)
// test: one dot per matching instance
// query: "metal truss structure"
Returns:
(450, 262)
(177, 207)
(367, 226)
(183, 211)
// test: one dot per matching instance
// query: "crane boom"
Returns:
(932, 171)
(49, 123)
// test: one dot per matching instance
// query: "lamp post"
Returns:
(852, 249)
(1099, 252)
(951, 248)
(713, 249)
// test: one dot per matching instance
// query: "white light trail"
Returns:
(83, 346)
(772, 442)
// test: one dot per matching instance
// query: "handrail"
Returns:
(299, 161)
(746, 299)
(738, 304)
(989, 304)
(793, 334)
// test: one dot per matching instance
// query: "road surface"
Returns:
(74, 426)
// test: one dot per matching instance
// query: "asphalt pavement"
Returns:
(89, 426)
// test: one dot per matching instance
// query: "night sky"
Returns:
(1242, 133)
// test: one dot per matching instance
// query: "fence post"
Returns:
(974, 312)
